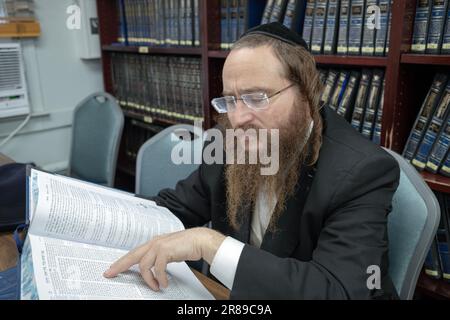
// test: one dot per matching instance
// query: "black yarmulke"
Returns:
(278, 31)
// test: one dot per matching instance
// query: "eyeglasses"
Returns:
(256, 101)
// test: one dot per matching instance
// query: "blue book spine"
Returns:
(223, 24)
(196, 24)
(381, 34)
(445, 260)
(234, 22)
(437, 20)
(182, 23)
(254, 13)
(361, 98)
(372, 105)
(267, 12)
(378, 121)
(277, 10)
(425, 114)
(320, 15)
(331, 27)
(189, 24)
(440, 149)
(290, 12)
(432, 132)
(388, 33)
(123, 37)
(445, 169)
(242, 14)
(369, 29)
(342, 45)
(309, 22)
(355, 27)
(421, 22)
(339, 90)
(446, 38)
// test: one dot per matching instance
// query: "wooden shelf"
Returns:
(326, 59)
(149, 119)
(428, 59)
(221, 54)
(184, 51)
(435, 288)
(437, 182)
(18, 28)
(356, 61)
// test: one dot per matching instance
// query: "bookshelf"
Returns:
(408, 78)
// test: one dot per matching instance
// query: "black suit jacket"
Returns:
(322, 251)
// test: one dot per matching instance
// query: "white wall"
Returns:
(57, 80)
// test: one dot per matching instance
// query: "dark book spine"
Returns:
(346, 104)
(372, 104)
(196, 23)
(440, 149)
(445, 48)
(267, 12)
(342, 45)
(356, 27)
(378, 121)
(433, 130)
(279, 8)
(369, 29)
(299, 16)
(445, 169)
(320, 16)
(339, 90)
(425, 114)
(309, 22)
(330, 83)
(331, 28)
(290, 12)
(242, 21)
(443, 236)
(189, 24)
(432, 265)
(381, 34)
(388, 33)
(182, 23)
(234, 22)
(437, 21)
(421, 23)
(122, 38)
(361, 98)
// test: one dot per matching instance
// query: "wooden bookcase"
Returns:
(408, 76)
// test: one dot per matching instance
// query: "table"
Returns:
(9, 256)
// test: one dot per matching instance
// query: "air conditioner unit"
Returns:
(13, 87)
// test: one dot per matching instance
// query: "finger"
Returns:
(145, 267)
(160, 270)
(125, 262)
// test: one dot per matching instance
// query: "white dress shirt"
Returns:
(225, 262)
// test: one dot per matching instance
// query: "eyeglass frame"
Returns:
(242, 99)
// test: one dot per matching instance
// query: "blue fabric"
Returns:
(10, 284)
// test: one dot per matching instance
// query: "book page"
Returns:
(72, 210)
(72, 270)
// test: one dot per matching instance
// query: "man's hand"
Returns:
(192, 244)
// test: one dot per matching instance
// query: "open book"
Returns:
(79, 229)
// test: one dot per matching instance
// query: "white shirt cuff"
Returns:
(225, 262)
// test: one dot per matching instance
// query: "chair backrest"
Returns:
(155, 168)
(412, 225)
(97, 129)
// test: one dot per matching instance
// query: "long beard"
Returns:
(245, 181)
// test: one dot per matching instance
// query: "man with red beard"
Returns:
(313, 229)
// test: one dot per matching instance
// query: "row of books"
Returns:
(159, 22)
(17, 8)
(236, 17)
(162, 87)
(136, 133)
(428, 144)
(437, 263)
(328, 26)
(357, 96)
(353, 27)
(431, 27)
